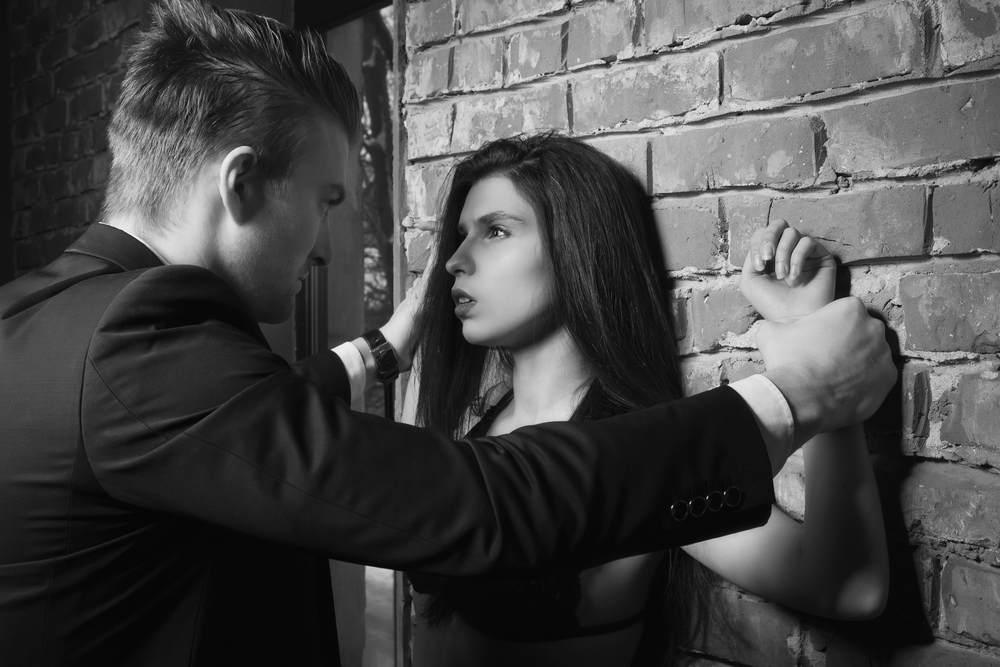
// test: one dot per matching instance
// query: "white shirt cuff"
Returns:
(770, 409)
(355, 366)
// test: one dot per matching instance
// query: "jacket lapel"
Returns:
(113, 245)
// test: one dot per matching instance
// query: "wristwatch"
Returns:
(385, 357)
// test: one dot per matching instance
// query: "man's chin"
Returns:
(277, 312)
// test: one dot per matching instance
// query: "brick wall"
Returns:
(873, 125)
(67, 61)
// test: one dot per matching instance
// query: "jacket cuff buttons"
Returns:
(713, 502)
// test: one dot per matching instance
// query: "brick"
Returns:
(483, 14)
(35, 158)
(739, 367)
(645, 93)
(24, 68)
(58, 184)
(679, 322)
(18, 163)
(950, 122)
(916, 403)
(39, 26)
(70, 146)
(430, 21)
(478, 120)
(87, 32)
(969, 32)
(25, 191)
(68, 212)
(970, 595)
(883, 43)
(20, 224)
(963, 218)
(72, 73)
(779, 152)
(698, 375)
(86, 103)
(689, 232)
(478, 64)
(69, 11)
(974, 423)
(53, 154)
(769, 633)
(669, 23)
(19, 11)
(19, 103)
(716, 312)
(600, 34)
(427, 74)
(425, 187)
(953, 502)
(534, 53)
(628, 151)
(428, 130)
(39, 92)
(852, 225)
(951, 312)
(43, 218)
(419, 250)
(940, 654)
(55, 50)
(97, 136)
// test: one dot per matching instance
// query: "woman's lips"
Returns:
(463, 302)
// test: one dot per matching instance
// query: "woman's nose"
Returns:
(460, 261)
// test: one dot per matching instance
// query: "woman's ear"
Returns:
(240, 184)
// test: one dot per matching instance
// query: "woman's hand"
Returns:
(804, 273)
(399, 330)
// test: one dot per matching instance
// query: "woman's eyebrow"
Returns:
(498, 216)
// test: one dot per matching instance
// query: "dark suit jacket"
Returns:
(167, 482)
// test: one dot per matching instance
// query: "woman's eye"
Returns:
(496, 233)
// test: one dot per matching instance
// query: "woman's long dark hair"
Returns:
(610, 288)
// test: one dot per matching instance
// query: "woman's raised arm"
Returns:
(834, 563)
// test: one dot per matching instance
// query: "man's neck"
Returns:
(549, 379)
(174, 246)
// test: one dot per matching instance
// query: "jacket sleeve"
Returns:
(185, 411)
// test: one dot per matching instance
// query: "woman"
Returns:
(544, 304)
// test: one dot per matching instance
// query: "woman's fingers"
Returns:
(764, 242)
(807, 255)
(783, 253)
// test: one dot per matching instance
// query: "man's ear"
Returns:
(240, 184)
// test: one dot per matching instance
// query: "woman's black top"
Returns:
(535, 610)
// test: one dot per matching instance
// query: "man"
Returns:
(166, 482)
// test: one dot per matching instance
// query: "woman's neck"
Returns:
(550, 378)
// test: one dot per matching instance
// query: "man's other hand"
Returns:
(834, 366)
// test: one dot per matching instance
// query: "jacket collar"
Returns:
(113, 245)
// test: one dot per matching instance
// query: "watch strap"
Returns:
(386, 364)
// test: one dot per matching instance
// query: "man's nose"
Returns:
(322, 251)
